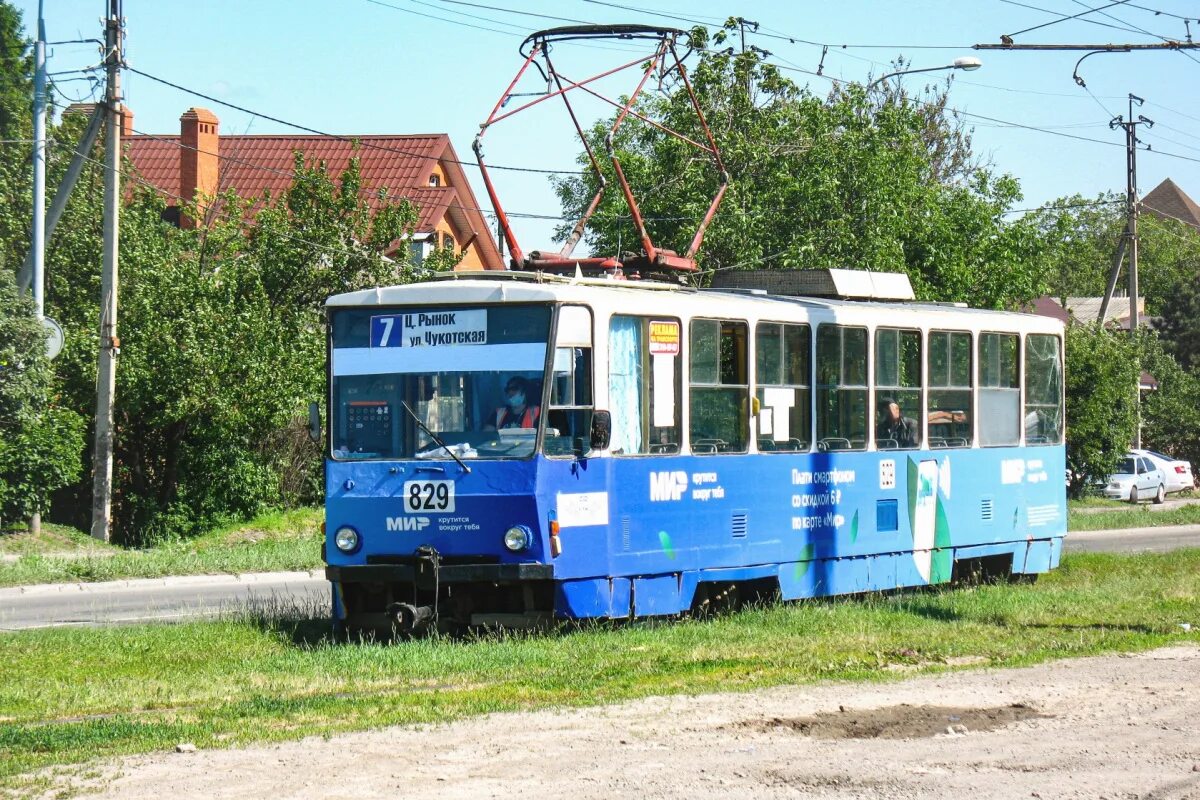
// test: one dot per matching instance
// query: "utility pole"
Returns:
(38, 236)
(1129, 237)
(110, 345)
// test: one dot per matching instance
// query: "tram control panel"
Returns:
(369, 426)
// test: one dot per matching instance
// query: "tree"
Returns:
(16, 129)
(1103, 370)
(855, 179)
(222, 343)
(40, 441)
(1082, 236)
(1170, 413)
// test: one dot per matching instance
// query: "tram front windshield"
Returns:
(470, 375)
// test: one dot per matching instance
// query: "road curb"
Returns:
(172, 581)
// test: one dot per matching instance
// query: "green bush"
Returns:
(1103, 368)
(40, 442)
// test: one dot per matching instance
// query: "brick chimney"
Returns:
(126, 122)
(199, 169)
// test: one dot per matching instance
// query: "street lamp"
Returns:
(965, 63)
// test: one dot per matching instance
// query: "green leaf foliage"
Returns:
(1103, 368)
(1170, 413)
(222, 338)
(40, 441)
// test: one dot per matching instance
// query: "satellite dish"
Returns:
(54, 338)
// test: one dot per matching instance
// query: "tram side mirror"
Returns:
(314, 422)
(601, 429)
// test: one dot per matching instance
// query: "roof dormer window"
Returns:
(435, 180)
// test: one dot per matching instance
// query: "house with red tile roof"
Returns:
(1168, 201)
(201, 163)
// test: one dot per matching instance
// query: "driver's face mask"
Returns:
(516, 399)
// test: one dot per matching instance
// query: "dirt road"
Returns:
(1108, 727)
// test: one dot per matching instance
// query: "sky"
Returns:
(439, 66)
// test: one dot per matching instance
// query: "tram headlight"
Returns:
(347, 539)
(518, 538)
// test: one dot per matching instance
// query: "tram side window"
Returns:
(782, 374)
(897, 382)
(569, 413)
(999, 390)
(1043, 389)
(841, 388)
(720, 387)
(949, 363)
(644, 374)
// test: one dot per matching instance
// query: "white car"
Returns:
(1178, 473)
(1137, 479)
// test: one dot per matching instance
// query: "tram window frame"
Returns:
(718, 383)
(1038, 408)
(648, 438)
(999, 359)
(569, 406)
(898, 380)
(783, 362)
(947, 385)
(841, 388)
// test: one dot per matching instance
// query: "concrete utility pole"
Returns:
(110, 345)
(82, 152)
(38, 238)
(1130, 237)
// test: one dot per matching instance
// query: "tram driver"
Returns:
(517, 411)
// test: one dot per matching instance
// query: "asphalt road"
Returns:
(157, 599)
(172, 599)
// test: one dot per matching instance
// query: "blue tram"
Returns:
(511, 448)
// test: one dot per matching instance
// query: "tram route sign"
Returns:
(429, 328)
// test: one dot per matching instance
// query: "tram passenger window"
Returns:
(999, 390)
(782, 372)
(1043, 389)
(897, 382)
(949, 364)
(841, 388)
(644, 378)
(569, 413)
(720, 387)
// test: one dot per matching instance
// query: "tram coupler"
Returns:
(409, 619)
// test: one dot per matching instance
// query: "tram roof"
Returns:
(643, 297)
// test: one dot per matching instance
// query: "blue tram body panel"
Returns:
(639, 534)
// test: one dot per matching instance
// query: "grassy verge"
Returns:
(70, 695)
(1129, 516)
(52, 539)
(289, 540)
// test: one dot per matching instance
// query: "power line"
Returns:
(364, 143)
(366, 192)
(223, 214)
(518, 11)
(1064, 18)
(1080, 19)
(443, 19)
(1117, 19)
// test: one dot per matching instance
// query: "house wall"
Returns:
(471, 258)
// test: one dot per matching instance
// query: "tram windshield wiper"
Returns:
(436, 439)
